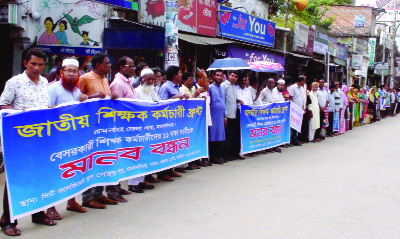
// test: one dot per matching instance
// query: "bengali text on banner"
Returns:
(52, 155)
(264, 126)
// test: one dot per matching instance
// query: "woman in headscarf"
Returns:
(362, 100)
(356, 107)
(342, 120)
(313, 108)
(371, 114)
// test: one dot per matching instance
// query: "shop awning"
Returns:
(339, 61)
(299, 56)
(203, 40)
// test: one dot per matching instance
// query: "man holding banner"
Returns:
(25, 91)
(297, 96)
(95, 85)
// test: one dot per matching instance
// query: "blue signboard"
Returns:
(130, 4)
(64, 151)
(359, 21)
(264, 126)
(67, 50)
(241, 26)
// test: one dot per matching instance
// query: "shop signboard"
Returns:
(343, 52)
(356, 63)
(198, 16)
(241, 26)
(321, 42)
(70, 29)
(129, 4)
(254, 55)
(371, 51)
(359, 21)
(333, 47)
(303, 38)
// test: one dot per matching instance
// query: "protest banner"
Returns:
(264, 126)
(52, 155)
(336, 121)
(296, 117)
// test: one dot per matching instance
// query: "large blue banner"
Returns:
(264, 126)
(241, 26)
(52, 155)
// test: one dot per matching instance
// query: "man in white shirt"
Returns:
(243, 93)
(255, 91)
(146, 90)
(298, 96)
(25, 91)
(277, 92)
(266, 93)
(323, 101)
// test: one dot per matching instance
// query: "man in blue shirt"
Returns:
(170, 90)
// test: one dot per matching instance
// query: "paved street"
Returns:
(344, 187)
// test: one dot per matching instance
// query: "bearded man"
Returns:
(64, 91)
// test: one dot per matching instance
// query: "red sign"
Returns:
(198, 16)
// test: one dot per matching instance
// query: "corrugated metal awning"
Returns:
(202, 40)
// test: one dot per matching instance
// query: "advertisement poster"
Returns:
(371, 51)
(62, 152)
(198, 16)
(241, 26)
(171, 34)
(303, 38)
(69, 28)
(254, 55)
(264, 126)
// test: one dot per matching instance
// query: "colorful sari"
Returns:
(342, 120)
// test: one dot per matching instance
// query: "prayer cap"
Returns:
(70, 61)
(145, 72)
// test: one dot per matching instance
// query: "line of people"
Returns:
(224, 98)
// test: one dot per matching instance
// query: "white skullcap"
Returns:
(281, 81)
(70, 61)
(146, 71)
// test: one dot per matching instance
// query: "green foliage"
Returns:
(312, 15)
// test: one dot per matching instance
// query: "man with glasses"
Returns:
(121, 85)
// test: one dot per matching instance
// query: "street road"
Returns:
(343, 187)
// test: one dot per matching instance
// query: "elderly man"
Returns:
(323, 102)
(277, 95)
(170, 90)
(25, 91)
(95, 85)
(266, 93)
(64, 91)
(298, 96)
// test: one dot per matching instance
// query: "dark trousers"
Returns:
(398, 108)
(6, 217)
(329, 129)
(92, 193)
(215, 148)
(231, 138)
(321, 123)
(293, 136)
(303, 136)
(391, 109)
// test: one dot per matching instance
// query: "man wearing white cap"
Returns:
(277, 91)
(64, 91)
(146, 89)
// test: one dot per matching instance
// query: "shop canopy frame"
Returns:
(266, 66)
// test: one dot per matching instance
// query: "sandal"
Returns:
(47, 221)
(53, 214)
(76, 207)
(9, 230)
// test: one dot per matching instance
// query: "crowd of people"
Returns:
(223, 92)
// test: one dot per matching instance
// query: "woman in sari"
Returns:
(351, 107)
(342, 120)
(313, 108)
(371, 112)
(363, 109)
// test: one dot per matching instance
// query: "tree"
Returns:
(312, 15)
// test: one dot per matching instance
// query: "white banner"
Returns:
(296, 116)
